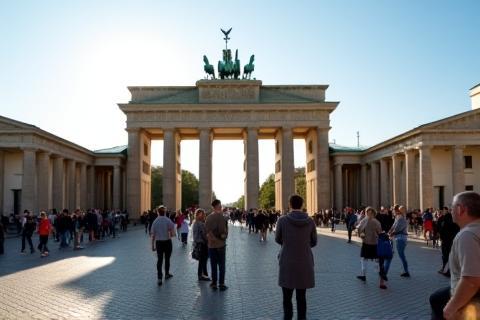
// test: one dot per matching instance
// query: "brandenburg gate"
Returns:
(228, 108)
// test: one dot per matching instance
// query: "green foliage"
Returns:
(189, 188)
(266, 197)
(240, 203)
(300, 182)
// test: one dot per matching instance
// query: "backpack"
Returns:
(384, 246)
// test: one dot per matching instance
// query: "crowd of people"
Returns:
(66, 228)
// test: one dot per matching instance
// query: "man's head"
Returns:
(296, 202)
(217, 205)
(465, 207)
(161, 210)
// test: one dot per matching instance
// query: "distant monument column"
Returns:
(29, 192)
(58, 183)
(205, 169)
(322, 166)
(71, 185)
(43, 185)
(251, 168)
(410, 179)
(363, 183)
(91, 187)
(384, 187)
(117, 183)
(284, 168)
(375, 188)
(83, 186)
(338, 187)
(134, 174)
(426, 179)
(458, 175)
(171, 170)
(397, 179)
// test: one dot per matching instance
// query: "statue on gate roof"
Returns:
(227, 67)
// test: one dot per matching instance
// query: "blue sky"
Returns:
(392, 65)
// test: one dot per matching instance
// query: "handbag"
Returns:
(384, 246)
(196, 251)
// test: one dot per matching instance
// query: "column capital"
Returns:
(31, 149)
(424, 147)
(133, 130)
(409, 150)
(458, 147)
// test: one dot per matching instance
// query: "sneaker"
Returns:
(159, 282)
(22, 252)
(203, 278)
(405, 275)
(363, 278)
(168, 276)
(223, 287)
(213, 286)
(44, 255)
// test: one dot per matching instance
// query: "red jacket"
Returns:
(44, 227)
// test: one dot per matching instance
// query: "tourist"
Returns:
(297, 234)
(184, 230)
(368, 229)
(447, 230)
(92, 225)
(28, 229)
(462, 299)
(350, 222)
(262, 225)
(200, 244)
(427, 218)
(79, 226)
(162, 231)
(44, 229)
(400, 234)
(217, 233)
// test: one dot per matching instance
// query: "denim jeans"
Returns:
(217, 262)
(65, 239)
(401, 243)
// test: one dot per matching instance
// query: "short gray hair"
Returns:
(470, 200)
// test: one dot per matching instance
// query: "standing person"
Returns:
(462, 299)
(200, 241)
(297, 234)
(261, 222)
(350, 221)
(369, 228)
(184, 230)
(28, 229)
(400, 235)
(163, 229)
(217, 233)
(447, 230)
(44, 230)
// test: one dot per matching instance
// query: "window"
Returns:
(468, 188)
(468, 162)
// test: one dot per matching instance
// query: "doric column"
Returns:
(338, 187)
(117, 184)
(426, 179)
(90, 187)
(29, 190)
(374, 171)
(251, 169)
(71, 185)
(364, 189)
(205, 169)
(384, 187)
(288, 167)
(43, 185)
(58, 186)
(2, 178)
(108, 189)
(83, 186)
(169, 169)
(458, 175)
(397, 179)
(134, 172)
(322, 166)
(410, 179)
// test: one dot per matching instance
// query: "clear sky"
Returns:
(393, 65)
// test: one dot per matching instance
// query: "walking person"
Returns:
(44, 230)
(369, 229)
(28, 229)
(184, 230)
(200, 242)
(447, 230)
(163, 229)
(297, 234)
(217, 233)
(461, 300)
(350, 222)
(400, 235)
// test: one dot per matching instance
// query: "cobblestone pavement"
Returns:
(116, 279)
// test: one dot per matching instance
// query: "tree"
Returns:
(189, 188)
(240, 203)
(300, 182)
(266, 196)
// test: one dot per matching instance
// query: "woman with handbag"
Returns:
(368, 229)
(200, 249)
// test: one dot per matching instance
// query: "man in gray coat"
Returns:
(297, 234)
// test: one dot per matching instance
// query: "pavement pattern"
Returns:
(116, 279)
